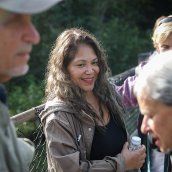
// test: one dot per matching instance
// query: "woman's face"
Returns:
(166, 45)
(157, 121)
(84, 69)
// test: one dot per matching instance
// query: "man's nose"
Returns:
(31, 34)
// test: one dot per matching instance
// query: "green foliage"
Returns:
(122, 42)
(26, 129)
(23, 98)
(122, 26)
(119, 33)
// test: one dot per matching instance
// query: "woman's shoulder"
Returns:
(55, 109)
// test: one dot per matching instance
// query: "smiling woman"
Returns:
(83, 116)
(84, 68)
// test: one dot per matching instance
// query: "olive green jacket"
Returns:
(15, 154)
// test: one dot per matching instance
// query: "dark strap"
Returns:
(167, 163)
(148, 151)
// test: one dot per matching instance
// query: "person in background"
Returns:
(3, 94)
(17, 36)
(162, 36)
(153, 90)
(83, 115)
(162, 41)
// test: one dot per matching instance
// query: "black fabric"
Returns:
(167, 163)
(3, 96)
(108, 141)
(144, 142)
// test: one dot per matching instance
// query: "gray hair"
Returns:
(155, 80)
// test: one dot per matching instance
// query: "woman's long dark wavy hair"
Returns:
(59, 84)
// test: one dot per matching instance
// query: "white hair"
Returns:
(155, 80)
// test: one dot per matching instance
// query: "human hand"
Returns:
(133, 159)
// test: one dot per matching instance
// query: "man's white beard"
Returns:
(18, 71)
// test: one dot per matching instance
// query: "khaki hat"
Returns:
(27, 6)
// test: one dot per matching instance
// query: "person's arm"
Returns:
(126, 89)
(126, 92)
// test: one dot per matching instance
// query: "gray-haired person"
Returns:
(153, 89)
(17, 36)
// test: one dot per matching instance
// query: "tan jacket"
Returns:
(69, 144)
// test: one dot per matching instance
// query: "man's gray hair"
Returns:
(155, 80)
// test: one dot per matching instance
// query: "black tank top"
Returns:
(108, 141)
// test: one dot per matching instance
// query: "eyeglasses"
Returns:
(165, 20)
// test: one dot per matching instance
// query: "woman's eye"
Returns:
(80, 65)
(95, 63)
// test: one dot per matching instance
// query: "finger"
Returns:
(142, 150)
(143, 147)
(141, 163)
(142, 157)
(125, 145)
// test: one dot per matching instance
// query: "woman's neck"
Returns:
(90, 97)
(100, 109)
